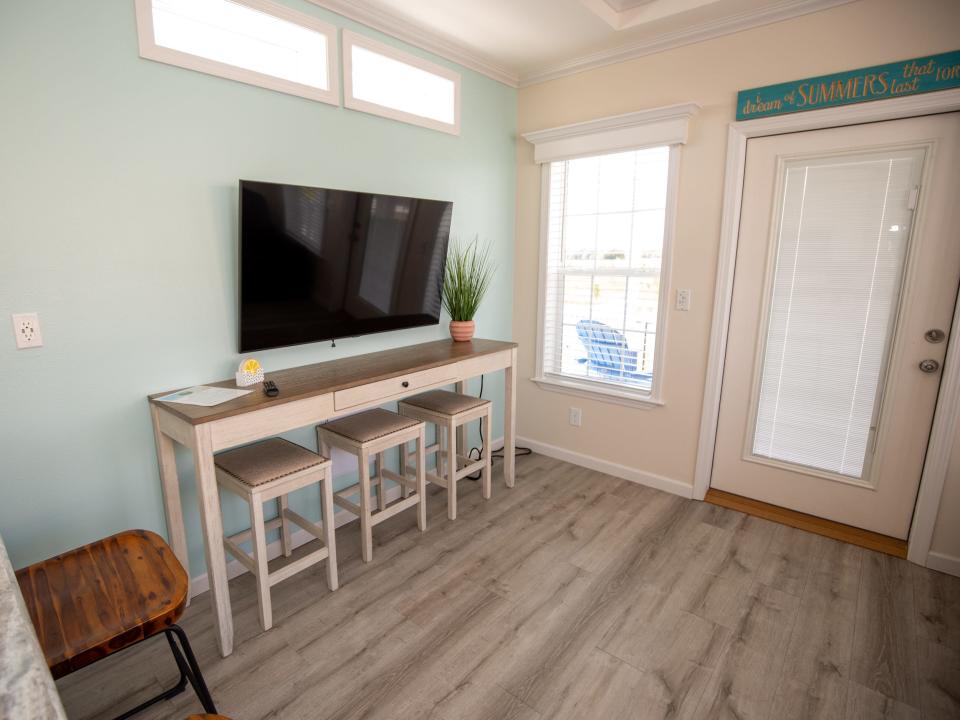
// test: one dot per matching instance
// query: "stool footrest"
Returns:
(297, 565)
(346, 504)
(394, 508)
(234, 549)
(308, 525)
(398, 478)
(245, 535)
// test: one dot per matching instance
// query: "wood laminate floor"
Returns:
(574, 596)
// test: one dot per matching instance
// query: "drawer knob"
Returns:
(405, 383)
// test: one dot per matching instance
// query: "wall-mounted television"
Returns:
(321, 264)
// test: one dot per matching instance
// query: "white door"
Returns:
(848, 262)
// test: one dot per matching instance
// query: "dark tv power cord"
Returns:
(496, 454)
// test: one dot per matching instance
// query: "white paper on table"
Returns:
(204, 395)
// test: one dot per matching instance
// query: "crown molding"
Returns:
(707, 31)
(409, 32)
(418, 36)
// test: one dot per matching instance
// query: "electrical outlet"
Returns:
(26, 329)
(683, 300)
(575, 416)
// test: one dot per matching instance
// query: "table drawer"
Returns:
(384, 390)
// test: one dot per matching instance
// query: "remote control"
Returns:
(270, 388)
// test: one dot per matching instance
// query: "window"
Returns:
(608, 189)
(252, 41)
(384, 81)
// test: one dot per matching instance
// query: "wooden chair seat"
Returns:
(93, 601)
(101, 598)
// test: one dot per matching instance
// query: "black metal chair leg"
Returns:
(194, 675)
(189, 673)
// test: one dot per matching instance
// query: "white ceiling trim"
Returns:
(426, 39)
(707, 31)
(418, 36)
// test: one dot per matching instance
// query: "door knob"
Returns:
(935, 335)
(929, 366)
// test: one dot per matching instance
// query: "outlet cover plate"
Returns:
(26, 330)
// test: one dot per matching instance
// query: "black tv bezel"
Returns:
(334, 338)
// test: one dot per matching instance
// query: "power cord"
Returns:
(496, 454)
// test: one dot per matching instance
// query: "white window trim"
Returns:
(351, 39)
(634, 131)
(151, 51)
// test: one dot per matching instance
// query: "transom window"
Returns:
(605, 245)
(253, 41)
(382, 80)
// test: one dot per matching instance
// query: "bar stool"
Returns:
(370, 434)
(104, 597)
(270, 470)
(448, 411)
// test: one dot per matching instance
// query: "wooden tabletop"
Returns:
(103, 597)
(320, 378)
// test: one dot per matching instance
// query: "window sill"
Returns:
(596, 392)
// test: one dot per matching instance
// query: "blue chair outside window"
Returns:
(608, 354)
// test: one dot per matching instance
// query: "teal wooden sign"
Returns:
(908, 77)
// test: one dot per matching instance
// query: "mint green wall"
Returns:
(118, 184)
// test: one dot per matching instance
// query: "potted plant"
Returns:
(468, 275)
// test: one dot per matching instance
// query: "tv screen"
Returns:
(319, 264)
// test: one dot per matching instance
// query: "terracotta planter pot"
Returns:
(462, 330)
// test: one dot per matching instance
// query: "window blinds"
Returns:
(603, 255)
(841, 245)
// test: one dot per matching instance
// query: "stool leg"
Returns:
(421, 480)
(487, 480)
(329, 528)
(452, 470)
(441, 456)
(259, 542)
(403, 467)
(366, 527)
(381, 486)
(195, 676)
(286, 541)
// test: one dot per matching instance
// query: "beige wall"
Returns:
(663, 440)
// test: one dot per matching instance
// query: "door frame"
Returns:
(944, 426)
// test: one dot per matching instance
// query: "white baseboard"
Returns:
(949, 564)
(658, 482)
(201, 583)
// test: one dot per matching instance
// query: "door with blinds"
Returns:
(848, 262)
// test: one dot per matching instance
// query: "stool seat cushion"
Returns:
(266, 461)
(369, 425)
(444, 402)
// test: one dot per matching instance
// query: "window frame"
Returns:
(619, 393)
(150, 50)
(351, 39)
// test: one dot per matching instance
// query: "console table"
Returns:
(308, 395)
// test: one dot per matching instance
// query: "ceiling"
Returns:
(521, 42)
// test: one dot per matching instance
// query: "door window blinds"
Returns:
(840, 250)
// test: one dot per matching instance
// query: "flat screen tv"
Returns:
(319, 264)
